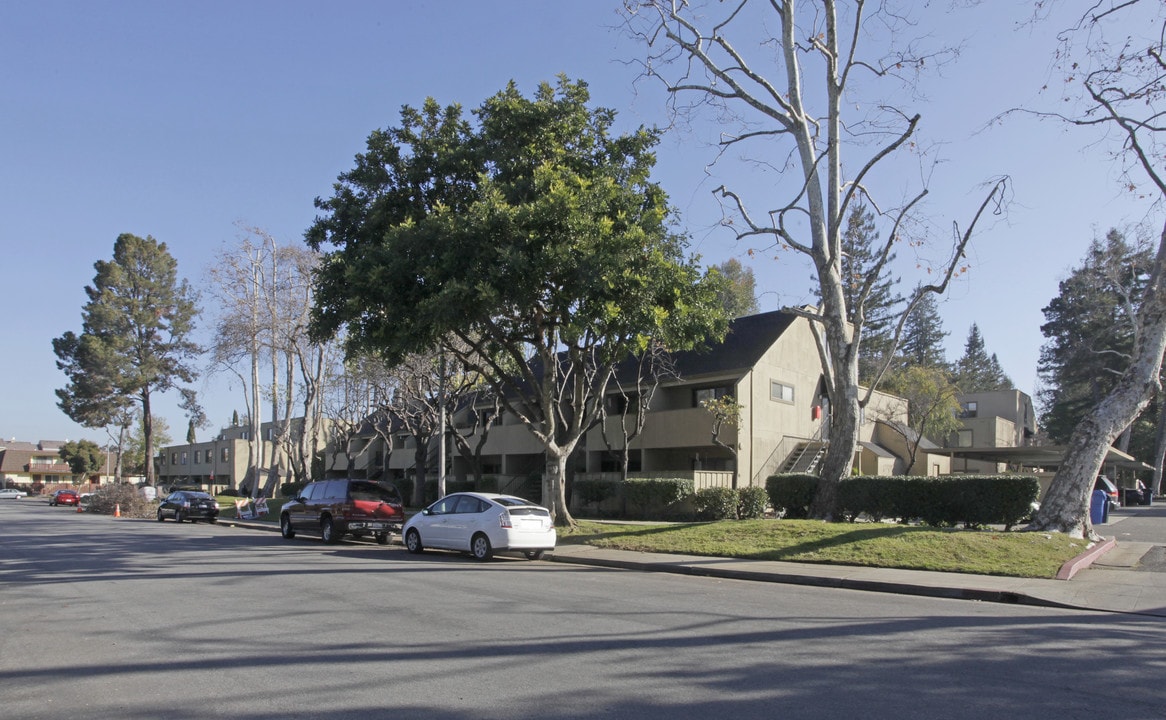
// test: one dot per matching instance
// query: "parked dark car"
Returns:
(189, 505)
(65, 497)
(335, 508)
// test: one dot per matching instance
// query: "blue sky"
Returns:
(180, 119)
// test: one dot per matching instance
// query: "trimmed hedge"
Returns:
(973, 500)
(716, 503)
(792, 493)
(752, 502)
(649, 494)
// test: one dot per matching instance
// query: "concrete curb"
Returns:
(1085, 559)
(891, 587)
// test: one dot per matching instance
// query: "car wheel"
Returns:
(413, 542)
(285, 527)
(382, 538)
(178, 516)
(534, 554)
(212, 518)
(160, 516)
(328, 531)
(480, 547)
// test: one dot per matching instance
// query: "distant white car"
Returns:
(12, 494)
(480, 524)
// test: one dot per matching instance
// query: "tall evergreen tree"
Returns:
(859, 261)
(923, 334)
(739, 295)
(1089, 328)
(977, 371)
(135, 337)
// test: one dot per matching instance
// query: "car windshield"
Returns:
(372, 491)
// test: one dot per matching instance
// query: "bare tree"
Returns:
(798, 91)
(1115, 79)
(635, 384)
(264, 295)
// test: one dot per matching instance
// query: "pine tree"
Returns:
(135, 337)
(923, 335)
(1089, 331)
(977, 371)
(859, 239)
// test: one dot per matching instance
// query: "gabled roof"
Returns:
(746, 342)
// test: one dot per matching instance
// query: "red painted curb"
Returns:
(1085, 559)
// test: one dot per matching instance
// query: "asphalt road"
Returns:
(128, 619)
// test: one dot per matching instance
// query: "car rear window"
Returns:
(529, 510)
(372, 491)
(509, 501)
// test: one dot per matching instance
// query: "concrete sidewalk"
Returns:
(1109, 580)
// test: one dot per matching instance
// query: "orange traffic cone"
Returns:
(78, 507)
(117, 510)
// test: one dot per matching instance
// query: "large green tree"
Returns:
(84, 457)
(534, 236)
(739, 295)
(135, 339)
(1089, 329)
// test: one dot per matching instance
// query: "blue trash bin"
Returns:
(1099, 508)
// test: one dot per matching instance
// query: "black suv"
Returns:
(335, 508)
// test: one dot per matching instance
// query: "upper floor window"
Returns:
(963, 438)
(702, 395)
(969, 409)
(780, 392)
(225, 455)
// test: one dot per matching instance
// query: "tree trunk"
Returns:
(148, 436)
(839, 455)
(555, 487)
(419, 472)
(1159, 447)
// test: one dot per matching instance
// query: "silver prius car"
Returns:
(481, 524)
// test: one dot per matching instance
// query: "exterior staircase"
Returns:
(805, 458)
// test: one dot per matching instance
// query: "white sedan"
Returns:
(12, 494)
(480, 524)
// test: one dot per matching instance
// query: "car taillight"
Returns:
(505, 521)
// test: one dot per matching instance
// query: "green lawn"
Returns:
(1018, 554)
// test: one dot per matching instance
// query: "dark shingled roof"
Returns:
(748, 339)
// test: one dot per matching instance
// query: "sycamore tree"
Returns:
(1114, 59)
(814, 91)
(135, 339)
(533, 235)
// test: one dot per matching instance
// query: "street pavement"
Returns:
(1124, 574)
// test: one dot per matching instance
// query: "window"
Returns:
(183, 458)
(963, 438)
(702, 395)
(969, 409)
(780, 392)
(225, 455)
(173, 458)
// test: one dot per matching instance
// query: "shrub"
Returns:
(716, 503)
(489, 484)
(593, 492)
(123, 497)
(752, 503)
(792, 493)
(649, 494)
